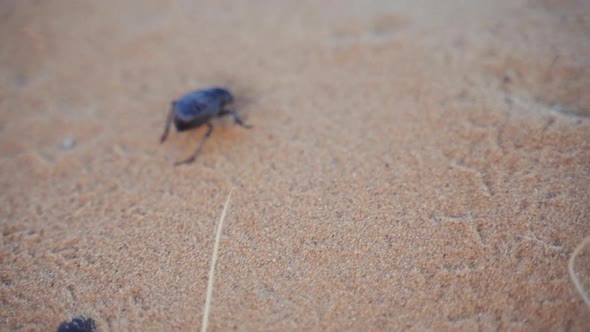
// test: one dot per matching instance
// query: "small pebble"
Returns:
(68, 143)
(558, 108)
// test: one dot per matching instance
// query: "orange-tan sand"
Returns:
(413, 165)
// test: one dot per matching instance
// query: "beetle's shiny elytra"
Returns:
(198, 108)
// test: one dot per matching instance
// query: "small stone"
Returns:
(558, 108)
(68, 143)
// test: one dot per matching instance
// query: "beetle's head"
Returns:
(223, 95)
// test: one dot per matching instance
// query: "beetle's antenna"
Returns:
(213, 263)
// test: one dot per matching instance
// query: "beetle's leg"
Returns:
(236, 117)
(196, 153)
(168, 123)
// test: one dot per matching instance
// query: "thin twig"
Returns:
(213, 264)
(570, 267)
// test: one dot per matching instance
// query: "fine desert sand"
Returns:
(413, 165)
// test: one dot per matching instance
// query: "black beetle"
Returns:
(198, 108)
(78, 324)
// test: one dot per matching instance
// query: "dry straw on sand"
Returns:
(570, 268)
(213, 264)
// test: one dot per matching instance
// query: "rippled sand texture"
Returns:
(414, 165)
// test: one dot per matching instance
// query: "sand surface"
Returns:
(414, 165)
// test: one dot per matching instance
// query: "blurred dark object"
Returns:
(78, 324)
